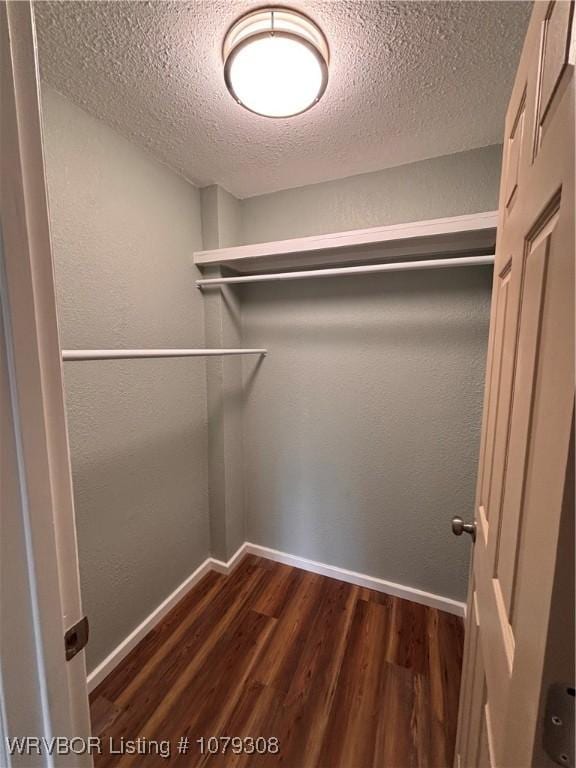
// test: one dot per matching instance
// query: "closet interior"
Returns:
(274, 378)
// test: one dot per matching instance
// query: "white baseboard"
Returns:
(212, 564)
(226, 568)
(123, 649)
(360, 579)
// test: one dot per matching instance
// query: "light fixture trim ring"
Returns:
(276, 33)
(280, 17)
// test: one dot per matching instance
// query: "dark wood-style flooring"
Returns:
(342, 676)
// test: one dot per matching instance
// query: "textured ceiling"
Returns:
(408, 80)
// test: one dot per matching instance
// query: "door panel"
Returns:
(501, 295)
(556, 32)
(517, 455)
(484, 753)
(515, 142)
(476, 688)
(529, 402)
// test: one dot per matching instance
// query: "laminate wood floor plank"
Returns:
(218, 686)
(257, 706)
(163, 683)
(407, 640)
(282, 582)
(283, 652)
(349, 738)
(301, 721)
(103, 713)
(128, 672)
(342, 676)
(403, 732)
(445, 650)
(372, 596)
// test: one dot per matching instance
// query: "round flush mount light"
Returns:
(275, 62)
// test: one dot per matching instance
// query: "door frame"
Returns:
(533, 645)
(41, 694)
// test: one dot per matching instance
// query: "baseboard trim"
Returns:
(360, 579)
(123, 649)
(212, 564)
(226, 568)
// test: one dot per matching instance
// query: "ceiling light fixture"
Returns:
(275, 62)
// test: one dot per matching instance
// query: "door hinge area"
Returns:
(76, 638)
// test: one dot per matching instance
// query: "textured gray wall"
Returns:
(225, 403)
(123, 229)
(361, 427)
(443, 186)
(360, 430)
(221, 217)
(220, 228)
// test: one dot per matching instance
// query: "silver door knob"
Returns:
(459, 527)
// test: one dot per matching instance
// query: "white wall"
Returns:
(123, 229)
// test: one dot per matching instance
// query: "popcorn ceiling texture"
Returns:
(408, 81)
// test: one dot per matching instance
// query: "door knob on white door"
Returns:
(459, 527)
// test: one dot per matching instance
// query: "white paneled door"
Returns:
(42, 695)
(528, 408)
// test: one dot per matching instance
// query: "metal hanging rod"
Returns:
(132, 354)
(400, 266)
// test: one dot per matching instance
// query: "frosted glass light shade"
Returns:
(275, 62)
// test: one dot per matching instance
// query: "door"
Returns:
(528, 407)
(41, 694)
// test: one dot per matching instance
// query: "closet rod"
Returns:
(400, 266)
(131, 354)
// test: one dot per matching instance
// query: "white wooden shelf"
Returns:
(473, 234)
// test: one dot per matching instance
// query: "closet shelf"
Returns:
(472, 234)
(133, 354)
